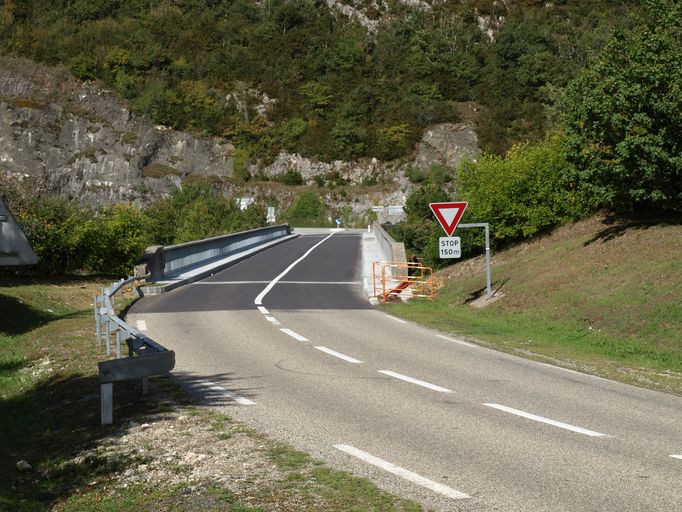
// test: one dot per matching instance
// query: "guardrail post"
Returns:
(118, 343)
(107, 403)
(98, 323)
(107, 334)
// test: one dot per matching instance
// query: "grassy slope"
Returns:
(602, 296)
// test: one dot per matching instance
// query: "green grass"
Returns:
(286, 457)
(607, 300)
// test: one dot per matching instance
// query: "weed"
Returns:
(286, 457)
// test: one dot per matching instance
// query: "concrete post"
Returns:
(155, 261)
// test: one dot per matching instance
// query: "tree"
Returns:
(624, 117)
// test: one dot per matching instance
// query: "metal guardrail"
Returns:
(150, 357)
(181, 256)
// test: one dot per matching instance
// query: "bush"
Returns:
(291, 177)
(307, 211)
(69, 238)
(523, 193)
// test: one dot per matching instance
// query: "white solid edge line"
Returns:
(460, 342)
(339, 355)
(272, 320)
(230, 394)
(415, 381)
(402, 472)
(258, 301)
(677, 456)
(263, 310)
(548, 421)
(294, 335)
(397, 319)
(141, 325)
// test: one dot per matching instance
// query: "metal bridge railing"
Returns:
(182, 256)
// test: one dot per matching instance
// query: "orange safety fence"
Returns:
(396, 279)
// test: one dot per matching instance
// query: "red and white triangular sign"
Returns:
(448, 214)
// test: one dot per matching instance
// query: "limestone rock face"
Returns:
(78, 140)
(82, 142)
(447, 144)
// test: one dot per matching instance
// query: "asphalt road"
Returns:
(450, 424)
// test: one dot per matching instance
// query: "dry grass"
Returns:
(603, 294)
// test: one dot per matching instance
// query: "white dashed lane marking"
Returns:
(548, 421)
(402, 472)
(294, 335)
(212, 386)
(339, 355)
(415, 381)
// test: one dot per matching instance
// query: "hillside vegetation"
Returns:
(602, 295)
(301, 76)
(589, 90)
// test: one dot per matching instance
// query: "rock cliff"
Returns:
(78, 140)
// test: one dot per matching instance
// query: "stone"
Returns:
(23, 465)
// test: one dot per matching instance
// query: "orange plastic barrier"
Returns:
(396, 279)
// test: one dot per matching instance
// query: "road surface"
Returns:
(287, 341)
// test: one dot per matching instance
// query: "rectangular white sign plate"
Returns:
(449, 247)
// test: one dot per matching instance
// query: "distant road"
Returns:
(302, 356)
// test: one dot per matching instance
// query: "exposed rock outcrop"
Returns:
(447, 144)
(82, 142)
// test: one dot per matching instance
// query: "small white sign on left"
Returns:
(449, 247)
(271, 215)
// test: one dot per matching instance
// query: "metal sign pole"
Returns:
(486, 226)
(487, 260)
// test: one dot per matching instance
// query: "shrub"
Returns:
(292, 177)
(523, 193)
(308, 210)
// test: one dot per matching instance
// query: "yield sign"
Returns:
(448, 214)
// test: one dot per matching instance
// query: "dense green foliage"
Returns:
(308, 210)
(624, 117)
(340, 91)
(70, 238)
(523, 193)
